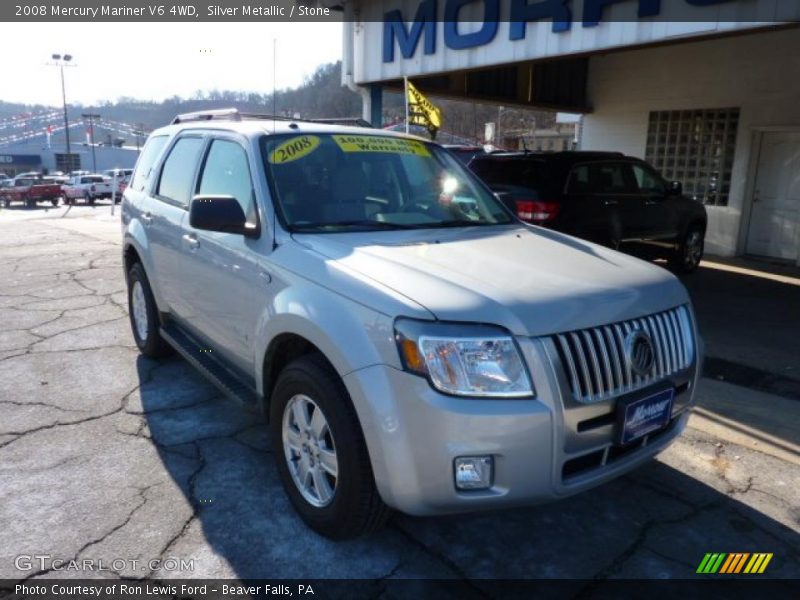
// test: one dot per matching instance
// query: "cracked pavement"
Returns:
(106, 455)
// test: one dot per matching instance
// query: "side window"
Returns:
(226, 173)
(179, 168)
(648, 181)
(144, 166)
(579, 180)
(611, 178)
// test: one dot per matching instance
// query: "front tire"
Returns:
(143, 314)
(320, 452)
(687, 257)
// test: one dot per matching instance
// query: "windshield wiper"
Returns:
(458, 223)
(352, 223)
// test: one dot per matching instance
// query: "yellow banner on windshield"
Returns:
(372, 143)
(293, 149)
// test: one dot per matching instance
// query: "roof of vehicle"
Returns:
(253, 124)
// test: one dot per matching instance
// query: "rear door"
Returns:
(604, 206)
(162, 215)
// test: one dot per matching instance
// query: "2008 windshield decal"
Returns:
(294, 149)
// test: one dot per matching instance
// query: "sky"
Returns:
(152, 61)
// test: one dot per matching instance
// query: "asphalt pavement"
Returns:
(108, 456)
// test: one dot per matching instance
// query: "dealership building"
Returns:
(705, 90)
(21, 157)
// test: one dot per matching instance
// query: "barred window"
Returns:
(695, 147)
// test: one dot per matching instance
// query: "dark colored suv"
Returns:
(604, 197)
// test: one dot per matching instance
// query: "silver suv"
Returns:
(413, 345)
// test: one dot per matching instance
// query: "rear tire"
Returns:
(339, 507)
(143, 314)
(687, 257)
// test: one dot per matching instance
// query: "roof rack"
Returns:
(230, 114)
(233, 114)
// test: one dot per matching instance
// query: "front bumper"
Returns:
(414, 434)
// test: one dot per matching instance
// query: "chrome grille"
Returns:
(595, 359)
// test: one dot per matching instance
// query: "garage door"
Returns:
(775, 220)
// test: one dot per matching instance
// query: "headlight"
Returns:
(464, 359)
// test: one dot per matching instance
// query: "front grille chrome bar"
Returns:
(595, 359)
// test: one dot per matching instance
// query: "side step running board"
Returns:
(209, 366)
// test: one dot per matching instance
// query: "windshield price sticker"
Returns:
(371, 143)
(294, 149)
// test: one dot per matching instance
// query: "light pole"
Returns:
(92, 117)
(60, 61)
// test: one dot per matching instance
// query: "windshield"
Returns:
(341, 182)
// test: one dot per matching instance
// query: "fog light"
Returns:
(473, 472)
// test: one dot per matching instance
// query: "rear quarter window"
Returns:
(533, 174)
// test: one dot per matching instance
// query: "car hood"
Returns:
(530, 280)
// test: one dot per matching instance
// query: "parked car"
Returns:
(29, 175)
(123, 178)
(88, 188)
(5, 183)
(120, 173)
(31, 191)
(413, 345)
(604, 197)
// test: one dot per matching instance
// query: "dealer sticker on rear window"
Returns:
(371, 143)
(293, 149)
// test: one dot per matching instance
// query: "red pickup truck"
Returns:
(32, 190)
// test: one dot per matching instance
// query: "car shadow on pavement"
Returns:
(656, 522)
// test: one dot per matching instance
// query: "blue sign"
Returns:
(407, 36)
(7, 160)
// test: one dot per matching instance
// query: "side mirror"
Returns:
(675, 188)
(220, 213)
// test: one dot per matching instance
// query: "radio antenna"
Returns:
(274, 110)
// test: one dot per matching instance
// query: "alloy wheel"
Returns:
(139, 307)
(309, 450)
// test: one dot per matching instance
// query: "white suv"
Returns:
(412, 343)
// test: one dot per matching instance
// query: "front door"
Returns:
(775, 219)
(660, 212)
(227, 283)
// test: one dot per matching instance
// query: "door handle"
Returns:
(610, 202)
(191, 241)
(266, 277)
(757, 196)
(147, 218)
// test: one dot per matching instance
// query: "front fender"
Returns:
(350, 335)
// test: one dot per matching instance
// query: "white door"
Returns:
(775, 219)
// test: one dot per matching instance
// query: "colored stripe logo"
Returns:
(734, 563)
